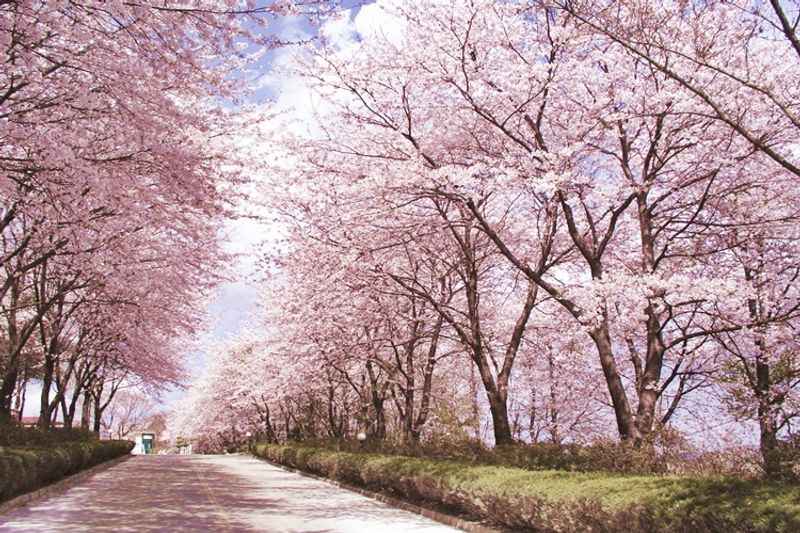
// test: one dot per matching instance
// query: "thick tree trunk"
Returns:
(98, 413)
(626, 424)
(768, 442)
(85, 409)
(11, 372)
(379, 429)
(648, 384)
(768, 432)
(270, 431)
(378, 400)
(499, 410)
(45, 405)
(497, 403)
(69, 417)
(427, 385)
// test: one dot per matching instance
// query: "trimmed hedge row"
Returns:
(16, 436)
(26, 469)
(557, 501)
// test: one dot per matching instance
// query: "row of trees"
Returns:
(587, 209)
(117, 176)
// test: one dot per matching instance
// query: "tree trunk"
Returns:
(11, 374)
(499, 410)
(85, 409)
(379, 430)
(555, 433)
(626, 424)
(334, 428)
(271, 436)
(648, 388)
(427, 384)
(98, 413)
(473, 395)
(408, 419)
(45, 405)
(768, 442)
(21, 394)
(378, 400)
(768, 432)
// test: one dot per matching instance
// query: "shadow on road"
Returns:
(209, 493)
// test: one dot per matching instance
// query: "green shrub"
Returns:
(25, 469)
(15, 435)
(788, 456)
(549, 500)
(663, 456)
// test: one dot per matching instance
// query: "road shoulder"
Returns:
(438, 516)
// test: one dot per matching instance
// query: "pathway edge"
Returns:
(442, 518)
(57, 487)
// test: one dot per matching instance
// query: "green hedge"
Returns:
(25, 469)
(16, 436)
(558, 501)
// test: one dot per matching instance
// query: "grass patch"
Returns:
(552, 500)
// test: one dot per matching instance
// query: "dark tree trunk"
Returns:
(11, 375)
(379, 429)
(86, 409)
(626, 424)
(378, 400)
(768, 431)
(45, 404)
(21, 393)
(98, 413)
(499, 411)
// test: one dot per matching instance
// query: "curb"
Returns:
(62, 485)
(446, 519)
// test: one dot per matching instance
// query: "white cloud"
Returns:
(338, 31)
(375, 20)
(293, 28)
(379, 20)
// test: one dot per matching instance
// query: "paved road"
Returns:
(228, 493)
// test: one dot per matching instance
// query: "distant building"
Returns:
(144, 442)
(33, 421)
(184, 446)
(29, 421)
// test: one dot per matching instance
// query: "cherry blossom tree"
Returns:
(588, 209)
(118, 174)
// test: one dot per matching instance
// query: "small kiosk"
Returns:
(145, 443)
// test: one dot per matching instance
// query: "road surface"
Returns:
(222, 493)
